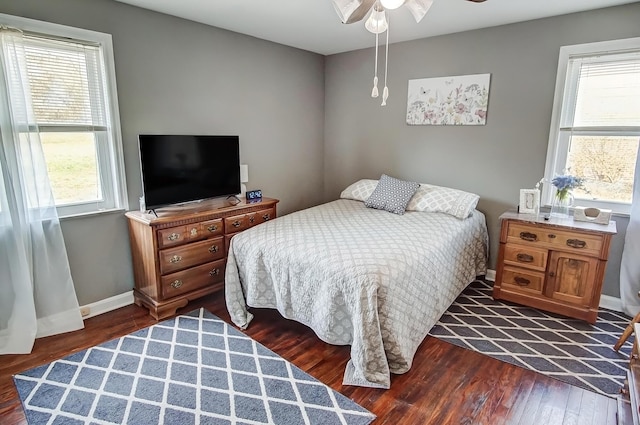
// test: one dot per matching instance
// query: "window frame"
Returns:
(566, 86)
(116, 197)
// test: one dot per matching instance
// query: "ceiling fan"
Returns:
(351, 11)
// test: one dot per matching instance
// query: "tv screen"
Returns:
(183, 168)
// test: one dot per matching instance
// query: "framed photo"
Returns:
(529, 201)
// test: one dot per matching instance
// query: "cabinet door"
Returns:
(571, 278)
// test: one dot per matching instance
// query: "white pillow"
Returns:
(430, 198)
(360, 190)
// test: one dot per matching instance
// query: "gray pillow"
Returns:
(392, 195)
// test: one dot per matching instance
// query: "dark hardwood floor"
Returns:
(446, 384)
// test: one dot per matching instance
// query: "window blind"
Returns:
(608, 91)
(66, 84)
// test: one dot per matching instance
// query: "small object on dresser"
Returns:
(254, 195)
(592, 215)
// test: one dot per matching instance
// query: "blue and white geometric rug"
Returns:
(569, 350)
(193, 369)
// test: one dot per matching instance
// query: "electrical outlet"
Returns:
(85, 311)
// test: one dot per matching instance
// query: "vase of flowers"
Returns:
(563, 198)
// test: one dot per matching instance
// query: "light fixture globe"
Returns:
(392, 4)
(377, 21)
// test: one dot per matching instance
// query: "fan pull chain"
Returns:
(374, 91)
(385, 91)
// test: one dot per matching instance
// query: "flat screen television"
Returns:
(184, 168)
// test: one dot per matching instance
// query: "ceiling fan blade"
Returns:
(418, 8)
(351, 11)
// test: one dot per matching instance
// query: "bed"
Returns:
(358, 276)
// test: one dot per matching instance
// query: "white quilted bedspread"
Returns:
(375, 280)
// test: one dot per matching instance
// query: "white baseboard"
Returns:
(491, 275)
(606, 301)
(106, 305)
(612, 303)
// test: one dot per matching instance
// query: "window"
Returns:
(595, 125)
(72, 84)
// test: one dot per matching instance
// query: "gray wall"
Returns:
(363, 140)
(177, 76)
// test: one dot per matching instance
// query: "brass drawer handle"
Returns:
(214, 272)
(213, 249)
(173, 237)
(175, 259)
(551, 236)
(524, 258)
(521, 281)
(194, 232)
(176, 283)
(266, 217)
(252, 219)
(528, 236)
(576, 243)
(212, 228)
(236, 223)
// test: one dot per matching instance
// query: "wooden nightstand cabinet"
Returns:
(181, 254)
(556, 265)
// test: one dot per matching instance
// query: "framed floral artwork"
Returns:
(457, 100)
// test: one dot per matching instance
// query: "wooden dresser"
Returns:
(181, 254)
(556, 265)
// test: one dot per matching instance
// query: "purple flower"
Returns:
(566, 182)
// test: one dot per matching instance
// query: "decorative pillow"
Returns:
(391, 194)
(360, 190)
(454, 202)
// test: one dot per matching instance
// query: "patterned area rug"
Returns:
(570, 350)
(193, 369)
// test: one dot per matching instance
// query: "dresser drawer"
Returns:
(171, 236)
(212, 227)
(264, 215)
(197, 277)
(525, 256)
(520, 280)
(554, 238)
(179, 258)
(238, 223)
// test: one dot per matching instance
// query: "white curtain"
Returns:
(37, 294)
(630, 266)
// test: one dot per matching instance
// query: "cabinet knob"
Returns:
(266, 217)
(213, 249)
(212, 228)
(214, 272)
(176, 283)
(576, 243)
(528, 236)
(552, 274)
(524, 258)
(173, 237)
(236, 223)
(175, 259)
